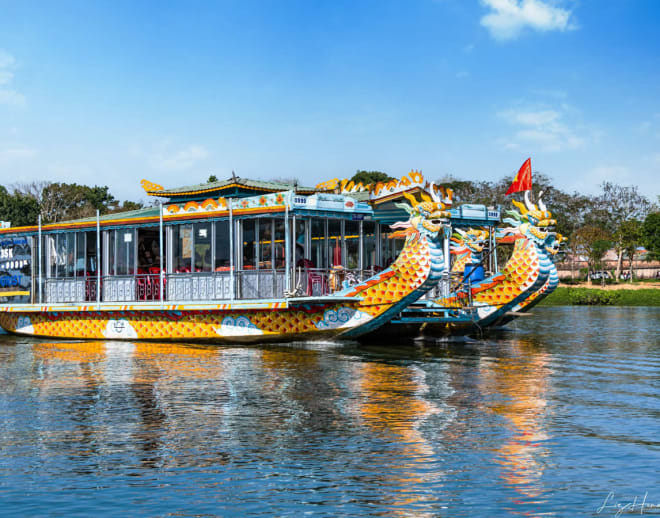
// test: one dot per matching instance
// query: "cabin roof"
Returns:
(232, 187)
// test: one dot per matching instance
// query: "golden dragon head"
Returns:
(429, 215)
(532, 221)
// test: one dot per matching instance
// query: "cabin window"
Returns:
(319, 252)
(80, 268)
(298, 237)
(203, 247)
(65, 255)
(265, 244)
(279, 256)
(148, 254)
(368, 244)
(334, 253)
(390, 248)
(222, 248)
(182, 248)
(90, 259)
(249, 243)
(123, 253)
(352, 241)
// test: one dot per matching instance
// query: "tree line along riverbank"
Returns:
(608, 296)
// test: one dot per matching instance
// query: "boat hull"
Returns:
(215, 323)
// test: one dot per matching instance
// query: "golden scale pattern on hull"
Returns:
(405, 275)
(319, 320)
(517, 276)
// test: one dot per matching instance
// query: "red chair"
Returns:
(316, 284)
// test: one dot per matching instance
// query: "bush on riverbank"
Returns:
(595, 297)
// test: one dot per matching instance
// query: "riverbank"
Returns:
(612, 295)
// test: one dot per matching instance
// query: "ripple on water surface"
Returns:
(544, 419)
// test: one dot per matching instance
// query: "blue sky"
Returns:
(111, 92)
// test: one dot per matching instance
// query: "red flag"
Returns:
(523, 179)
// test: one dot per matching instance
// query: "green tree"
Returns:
(212, 178)
(370, 177)
(629, 234)
(19, 209)
(651, 235)
(592, 241)
(616, 205)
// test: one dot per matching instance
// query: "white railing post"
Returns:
(287, 249)
(231, 251)
(160, 253)
(98, 260)
(40, 263)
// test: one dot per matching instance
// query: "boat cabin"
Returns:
(235, 239)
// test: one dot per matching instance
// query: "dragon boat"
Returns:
(477, 302)
(231, 261)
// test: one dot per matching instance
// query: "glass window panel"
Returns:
(125, 257)
(369, 244)
(278, 246)
(182, 248)
(249, 244)
(70, 254)
(334, 252)
(265, 243)
(148, 249)
(390, 248)
(222, 248)
(112, 252)
(352, 239)
(298, 238)
(81, 249)
(90, 254)
(319, 246)
(203, 247)
(61, 241)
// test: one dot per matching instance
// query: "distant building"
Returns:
(571, 265)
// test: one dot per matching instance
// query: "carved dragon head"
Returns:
(471, 241)
(427, 216)
(532, 221)
(554, 242)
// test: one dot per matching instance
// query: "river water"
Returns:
(558, 416)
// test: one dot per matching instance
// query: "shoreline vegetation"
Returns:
(642, 294)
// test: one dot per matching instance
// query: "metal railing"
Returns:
(203, 286)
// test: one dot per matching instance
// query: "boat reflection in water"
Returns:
(516, 383)
(390, 400)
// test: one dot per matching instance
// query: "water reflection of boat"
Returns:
(390, 401)
(518, 383)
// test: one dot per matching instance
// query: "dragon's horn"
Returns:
(521, 207)
(405, 207)
(425, 196)
(528, 202)
(411, 198)
(434, 193)
(541, 204)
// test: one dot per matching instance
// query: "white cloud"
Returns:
(542, 128)
(12, 98)
(6, 59)
(8, 96)
(509, 18)
(11, 154)
(163, 158)
(5, 76)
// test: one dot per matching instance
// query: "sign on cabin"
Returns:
(15, 269)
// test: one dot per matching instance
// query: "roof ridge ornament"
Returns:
(150, 186)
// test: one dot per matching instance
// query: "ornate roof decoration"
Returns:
(382, 191)
(150, 187)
